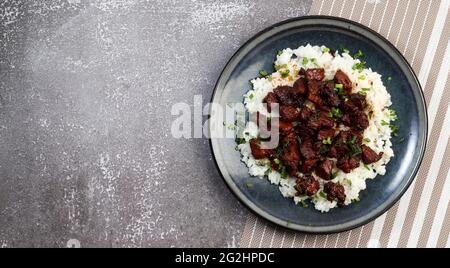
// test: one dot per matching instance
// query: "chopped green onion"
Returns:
(336, 112)
(323, 194)
(364, 91)
(327, 141)
(270, 78)
(359, 66)
(305, 61)
(394, 130)
(334, 175)
(367, 140)
(239, 141)
(304, 204)
(325, 50)
(362, 77)
(358, 55)
(349, 182)
(249, 185)
(284, 74)
(345, 50)
(279, 52)
(384, 123)
(339, 89)
(278, 67)
(356, 200)
(263, 73)
(393, 114)
(366, 167)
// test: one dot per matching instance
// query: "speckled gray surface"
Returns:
(86, 89)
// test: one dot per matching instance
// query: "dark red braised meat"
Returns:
(310, 139)
(335, 192)
(307, 185)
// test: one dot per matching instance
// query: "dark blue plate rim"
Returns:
(371, 215)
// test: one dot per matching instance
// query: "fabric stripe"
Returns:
(434, 180)
(423, 36)
(266, 237)
(433, 223)
(443, 238)
(262, 235)
(413, 23)
(391, 235)
(407, 208)
(248, 231)
(412, 26)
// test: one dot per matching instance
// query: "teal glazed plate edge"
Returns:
(408, 100)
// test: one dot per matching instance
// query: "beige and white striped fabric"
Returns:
(421, 30)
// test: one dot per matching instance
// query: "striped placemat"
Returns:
(421, 31)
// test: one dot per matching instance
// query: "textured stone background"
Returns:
(86, 88)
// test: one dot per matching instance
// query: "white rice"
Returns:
(378, 132)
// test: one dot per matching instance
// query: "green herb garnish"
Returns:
(345, 50)
(283, 172)
(263, 73)
(325, 50)
(239, 141)
(279, 52)
(366, 167)
(284, 74)
(367, 140)
(384, 123)
(336, 112)
(394, 130)
(358, 55)
(334, 175)
(323, 195)
(339, 91)
(282, 66)
(364, 91)
(354, 149)
(304, 204)
(327, 141)
(393, 114)
(249, 185)
(359, 66)
(305, 61)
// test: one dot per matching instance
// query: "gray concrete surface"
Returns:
(86, 88)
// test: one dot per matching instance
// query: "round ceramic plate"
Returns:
(407, 98)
